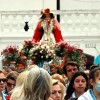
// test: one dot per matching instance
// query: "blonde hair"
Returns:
(37, 85)
(63, 88)
(18, 90)
(59, 78)
(3, 72)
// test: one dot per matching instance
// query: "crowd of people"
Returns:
(35, 83)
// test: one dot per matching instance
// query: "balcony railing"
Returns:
(76, 22)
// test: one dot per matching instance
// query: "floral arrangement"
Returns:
(26, 48)
(61, 48)
(11, 53)
(41, 52)
(74, 54)
(69, 52)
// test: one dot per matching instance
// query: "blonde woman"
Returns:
(58, 90)
(59, 78)
(37, 85)
(17, 92)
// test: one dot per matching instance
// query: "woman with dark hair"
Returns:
(2, 85)
(77, 85)
(44, 15)
(46, 27)
(94, 92)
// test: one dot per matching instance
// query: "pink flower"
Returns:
(20, 67)
(41, 51)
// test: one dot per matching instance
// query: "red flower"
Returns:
(21, 53)
(28, 43)
(71, 49)
(11, 53)
(10, 48)
(63, 44)
(61, 48)
(8, 97)
(20, 67)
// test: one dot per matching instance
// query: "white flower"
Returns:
(47, 47)
(42, 46)
(41, 56)
(47, 56)
(38, 46)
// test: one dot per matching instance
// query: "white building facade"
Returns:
(79, 21)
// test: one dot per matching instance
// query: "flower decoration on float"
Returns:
(61, 48)
(26, 47)
(41, 52)
(74, 54)
(11, 53)
(69, 52)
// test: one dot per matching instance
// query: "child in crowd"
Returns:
(77, 85)
(94, 92)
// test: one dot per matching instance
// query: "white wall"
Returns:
(80, 37)
(13, 5)
(80, 4)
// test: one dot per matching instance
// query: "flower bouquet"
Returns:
(74, 54)
(26, 48)
(61, 48)
(69, 52)
(11, 53)
(41, 52)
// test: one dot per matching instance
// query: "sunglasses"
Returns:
(3, 80)
(10, 84)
